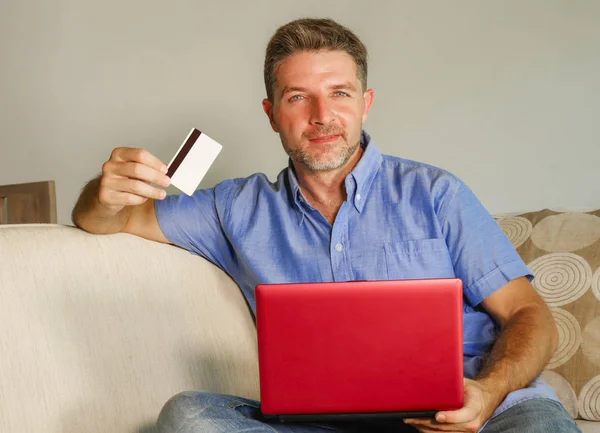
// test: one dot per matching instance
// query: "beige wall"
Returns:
(504, 94)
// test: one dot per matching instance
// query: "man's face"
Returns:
(319, 108)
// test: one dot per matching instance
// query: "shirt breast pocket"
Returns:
(415, 259)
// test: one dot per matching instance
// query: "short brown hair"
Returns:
(311, 34)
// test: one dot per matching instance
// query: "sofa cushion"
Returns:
(99, 331)
(563, 251)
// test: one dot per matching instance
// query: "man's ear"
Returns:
(369, 96)
(268, 109)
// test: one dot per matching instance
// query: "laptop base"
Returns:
(333, 417)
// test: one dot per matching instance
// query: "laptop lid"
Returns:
(360, 348)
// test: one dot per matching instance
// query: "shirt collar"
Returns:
(358, 181)
(297, 194)
(361, 177)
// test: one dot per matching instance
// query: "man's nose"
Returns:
(321, 112)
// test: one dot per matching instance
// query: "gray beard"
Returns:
(313, 164)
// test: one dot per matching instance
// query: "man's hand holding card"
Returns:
(131, 176)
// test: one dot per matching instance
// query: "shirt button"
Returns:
(339, 247)
(357, 196)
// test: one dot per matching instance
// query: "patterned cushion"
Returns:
(563, 251)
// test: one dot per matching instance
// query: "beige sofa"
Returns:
(98, 332)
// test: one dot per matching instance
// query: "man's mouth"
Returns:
(324, 139)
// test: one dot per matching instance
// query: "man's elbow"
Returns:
(549, 324)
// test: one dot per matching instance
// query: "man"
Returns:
(343, 211)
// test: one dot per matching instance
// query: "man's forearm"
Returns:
(522, 350)
(90, 215)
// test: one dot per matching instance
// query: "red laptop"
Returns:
(360, 350)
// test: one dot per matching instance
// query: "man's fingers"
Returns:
(134, 170)
(115, 199)
(459, 416)
(140, 188)
(129, 199)
(465, 419)
(429, 425)
(142, 156)
(111, 187)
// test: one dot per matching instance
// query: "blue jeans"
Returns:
(204, 412)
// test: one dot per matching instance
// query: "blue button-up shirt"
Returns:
(401, 220)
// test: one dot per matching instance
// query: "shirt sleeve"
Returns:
(482, 256)
(195, 223)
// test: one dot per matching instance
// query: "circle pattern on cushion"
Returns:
(589, 400)
(563, 253)
(569, 337)
(596, 284)
(590, 341)
(564, 391)
(568, 232)
(561, 278)
(516, 229)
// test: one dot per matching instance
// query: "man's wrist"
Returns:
(494, 392)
